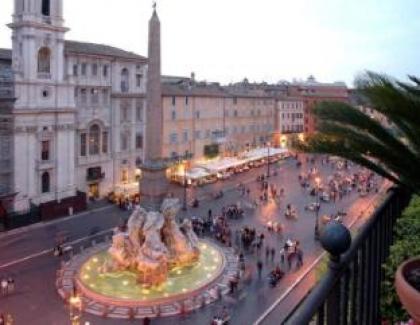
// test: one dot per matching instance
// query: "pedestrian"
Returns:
(10, 284)
(273, 253)
(259, 268)
(146, 321)
(4, 286)
(267, 253)
(299, 254)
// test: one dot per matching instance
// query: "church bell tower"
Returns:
(44, 111)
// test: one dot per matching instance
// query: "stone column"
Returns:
(153, 185)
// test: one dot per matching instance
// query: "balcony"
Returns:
(94, 174)
(42, 164)
(349, 291)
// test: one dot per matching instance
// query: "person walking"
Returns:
(4, 286)
(259, 268)
(267, 253)
(273, 253)
(10, 285)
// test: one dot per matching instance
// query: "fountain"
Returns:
(153, 264)
(153, 244)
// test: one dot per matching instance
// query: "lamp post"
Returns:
(317, 208)
(268, 159)
(75, 304)
(184, 205)
(187, 156)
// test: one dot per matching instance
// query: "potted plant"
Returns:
(407, 284)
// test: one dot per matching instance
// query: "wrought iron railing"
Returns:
(349, 292)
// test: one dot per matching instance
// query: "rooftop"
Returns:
(88, 49)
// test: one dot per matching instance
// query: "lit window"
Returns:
(94, 134)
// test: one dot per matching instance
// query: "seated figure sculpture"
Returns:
(153, 244)
(182, 246)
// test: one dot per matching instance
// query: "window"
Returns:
(124, 80)
(75, 69)
(94, 134)
(105, 71)
(197, 115)
(94, 96)
(105, 142)
(173, 115)
(124, 141)
(45, 182)
(83, 95)
(44, 56)
(125, 111)
(173, 138)
(139, 141)
(83, 145)
(173, 100)
(45, 150)
(139, 79)
(186, 100)
(124, 176)
(105, 96)
(185, 136)
(235, 100)
(208, 132)
(94, 69)
(45, 9)
(235, 113)
(139, 110)
(84, 68)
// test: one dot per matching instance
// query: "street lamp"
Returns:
(317, 208)
(187, 156)
(268, 159)
(75, 304)
(184, 205)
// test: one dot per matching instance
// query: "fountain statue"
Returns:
(153, 244)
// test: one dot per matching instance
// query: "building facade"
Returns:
(79, 110)
(312, 93)
(6, 135)
(76, 121)
(289, 120)
(207, 119)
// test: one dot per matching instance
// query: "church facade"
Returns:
(78, 111)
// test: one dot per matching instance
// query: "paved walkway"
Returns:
(43, 306)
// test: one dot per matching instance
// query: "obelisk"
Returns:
(153, 185)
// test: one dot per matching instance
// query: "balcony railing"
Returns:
(349, 292)
(95, 177)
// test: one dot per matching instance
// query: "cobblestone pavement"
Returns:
(35, 301)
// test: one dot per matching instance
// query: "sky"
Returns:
(262, 40)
